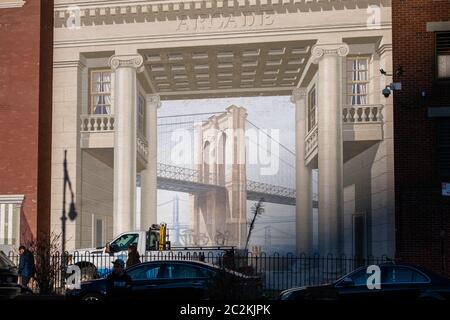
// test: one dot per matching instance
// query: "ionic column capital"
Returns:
(298, 94)
(153, 99)
(320, 50)
(135, 61)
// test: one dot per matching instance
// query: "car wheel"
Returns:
(88, 273)
(92, 297)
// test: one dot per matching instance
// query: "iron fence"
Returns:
(277, 271)
(49, 274)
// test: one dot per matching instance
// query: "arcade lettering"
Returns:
(225, 21)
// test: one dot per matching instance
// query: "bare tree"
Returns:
(48, 262)
(257, 210)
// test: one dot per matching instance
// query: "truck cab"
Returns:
(144, 241)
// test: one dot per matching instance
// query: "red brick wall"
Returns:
(25, 110)
(422, 214)
(45, 117)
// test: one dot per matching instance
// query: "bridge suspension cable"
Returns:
(270, 164)
(285, 171)
(282, 145)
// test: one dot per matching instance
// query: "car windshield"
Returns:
(123, 242)
(4, 261)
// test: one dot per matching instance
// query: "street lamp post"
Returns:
(72, 216)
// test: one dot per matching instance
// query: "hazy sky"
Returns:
(266, 113)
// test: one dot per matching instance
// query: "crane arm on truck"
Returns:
(161, 233)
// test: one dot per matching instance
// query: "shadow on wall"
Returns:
(26, 235)
(358, 172)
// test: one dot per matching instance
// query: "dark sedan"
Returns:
(9, 288)
(398, 282)
(175, 280)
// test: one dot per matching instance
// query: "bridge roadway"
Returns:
(188, 180)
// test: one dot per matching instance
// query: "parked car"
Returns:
(399, 282)
(9, 287)
(174, 280)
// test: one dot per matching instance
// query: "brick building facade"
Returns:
(26, 37)
(421, 49)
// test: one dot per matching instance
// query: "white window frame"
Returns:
(312, 93)
(351, 82)
(93, 93)
(10, 209)
(140, 116)
(444, 77)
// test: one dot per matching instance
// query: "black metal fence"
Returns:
(49, 276)
(277, 271)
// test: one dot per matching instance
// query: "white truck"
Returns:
(152, 244)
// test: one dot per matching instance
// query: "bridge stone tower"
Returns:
(218, 216)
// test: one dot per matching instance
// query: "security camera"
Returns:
(395, 86)
(386, 92)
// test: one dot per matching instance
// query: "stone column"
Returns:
(125, 68)
(236, 178)
(148, 175)
(330, 160)
(303, 208)
(382, 222)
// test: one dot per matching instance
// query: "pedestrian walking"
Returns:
(27, 268)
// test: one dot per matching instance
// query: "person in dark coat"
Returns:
(133, 256)
(118, 283)
(27, 268)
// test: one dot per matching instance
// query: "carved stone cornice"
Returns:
(69, 64)
(135, 61)
(12, 198)
(153, 100)
(384, 48)
(106, 10)
(298, 94)
(320, 50)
